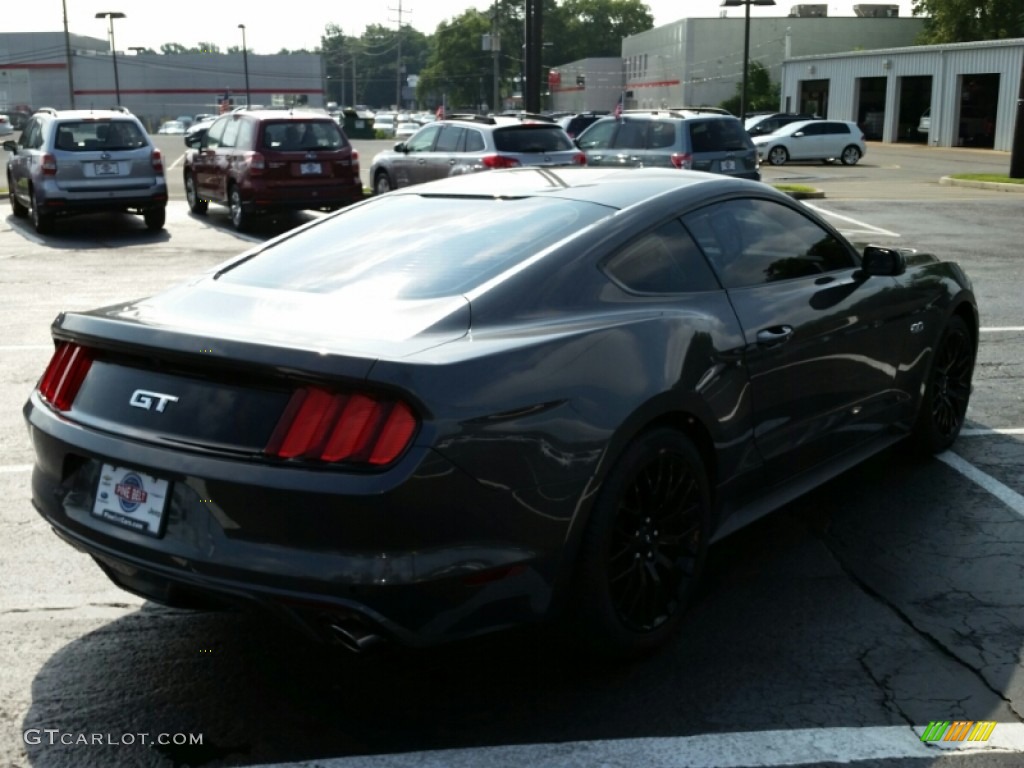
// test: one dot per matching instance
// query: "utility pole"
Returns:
(534, 46)
(398, 62)
(70, 59)
(1017, 150)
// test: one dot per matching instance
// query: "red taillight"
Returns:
(255, 162)
(579, 159)
(499, 161)
(64, 375)
(682, 160)
(49, 164)
(327, 426)
(158, 161)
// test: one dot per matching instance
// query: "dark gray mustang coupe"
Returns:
(540, 394)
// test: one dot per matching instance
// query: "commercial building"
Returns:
(156, 87)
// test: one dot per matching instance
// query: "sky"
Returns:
(271, 26)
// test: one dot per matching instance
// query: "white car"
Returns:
(6, 129)
(406, 130)
(823, 140)
(172, 126)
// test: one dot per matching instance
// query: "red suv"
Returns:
(262, 161)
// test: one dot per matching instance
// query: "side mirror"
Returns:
(400, 147)
(798, 135)
(883, 261)
(11, 146)
(195, 140)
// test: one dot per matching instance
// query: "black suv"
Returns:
(761, 125)
(574, 125)
(699, 141)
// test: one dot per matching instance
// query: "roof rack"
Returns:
(472, 118)
(46, 111)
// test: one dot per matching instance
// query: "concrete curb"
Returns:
(949, 181)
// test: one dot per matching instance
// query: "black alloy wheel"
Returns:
(239, 218)
(195, 204)
(645, 545)
(382, 183)
(947, 390)
(42, 222)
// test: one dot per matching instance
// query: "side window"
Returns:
(813, 129)
(32, 136)
(230, 133)
(837, 128)
(750, 242)
(448, 140)
(474, 141)
(665, 261)
(632, 135)
(599, 135)
(213, 136)
(424, 140)
(662, 134)
(246, 133)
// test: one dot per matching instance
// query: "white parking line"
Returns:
(983, 431)
(23, 347)
(864, 227)
(763, 749)
(1004, 493)
(1003, 329)
(176, 163)
(12, 468)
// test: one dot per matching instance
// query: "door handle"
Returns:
(770, 337)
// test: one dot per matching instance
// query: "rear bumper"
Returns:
(421, 553)
(57, 200)
(299, 198)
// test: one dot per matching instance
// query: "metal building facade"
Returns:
(956, 117)
(700, 61)
(155, 87)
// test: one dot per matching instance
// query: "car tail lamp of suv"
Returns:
(683, 160)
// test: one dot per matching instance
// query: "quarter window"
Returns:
(666, 261)
(215, 133)
(753, 241)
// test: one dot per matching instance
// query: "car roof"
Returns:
(679, 114)
(614, 187)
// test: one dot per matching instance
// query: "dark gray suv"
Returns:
(82, 161)
(698, 141)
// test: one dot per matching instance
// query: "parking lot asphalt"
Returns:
(835, 629)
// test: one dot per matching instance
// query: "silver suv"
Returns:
(83, 161)
(470, 143)
(695, 140)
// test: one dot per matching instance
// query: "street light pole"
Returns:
(245, 64)
(110, 16)
(746, 45)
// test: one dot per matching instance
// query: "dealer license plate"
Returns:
(131, 499)
(308, 168)
(106, 169)
(728, 165)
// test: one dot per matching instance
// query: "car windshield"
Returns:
(303, 135)
(98, 135)
(415, 247)
(531, 138)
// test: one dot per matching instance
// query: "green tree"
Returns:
(762, 94)
(372, 61)
(588, 28)
(173, 48)
(961, 21)
(205, 48)
(458, 70)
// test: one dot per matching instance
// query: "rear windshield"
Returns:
(413, 247)
(303, 134)
(532, 138)
(94, 135)
(718, 136)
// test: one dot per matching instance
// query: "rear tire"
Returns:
(43, 222)
(850, 155)
(778, 156)
(644, 547)
(947, 390)
(239, 218)
(17, 208)
(155, 218)
(195, 204)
